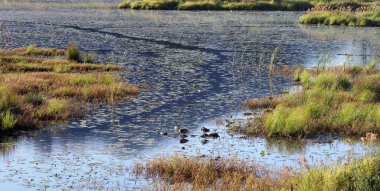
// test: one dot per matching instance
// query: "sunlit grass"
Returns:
(344, 100)
(216, 5)
(192, 173)
(371, 18)
(38, 87)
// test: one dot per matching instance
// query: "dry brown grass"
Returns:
(44, 60)
(179, 173)
(268, 102)
(182, 173)
(39, 90)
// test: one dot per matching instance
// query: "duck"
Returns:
(214, 135)
(183, 130)
(164, 132)
(183, 141)
(205, 130)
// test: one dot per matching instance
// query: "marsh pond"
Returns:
(195, 68)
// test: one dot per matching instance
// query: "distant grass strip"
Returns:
(182, 173)
(342, 100)
(39, 87)
(342, 18)
(216, 5)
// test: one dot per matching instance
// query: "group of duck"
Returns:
(183, 131)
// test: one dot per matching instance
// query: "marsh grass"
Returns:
(216, 5)
(46, 60)
(183, 173)
(343, 100)
(370, 18)
(38, 90)
(72, 52)
(208, 174)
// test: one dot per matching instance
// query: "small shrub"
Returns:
(88, 58)
(357, 117)
(8, 120)
(276, 121)
(85, 92)
(34, 99)
(61, 69)
(30, 49)
(72, 52)
(108, 80)
(56, 106)
(306, 79)
(82, 80)
(333, 81)
(371, 83)
(297, 75)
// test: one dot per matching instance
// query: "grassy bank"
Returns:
(370, 18)
(216, 5)
(342, 100)
(181, 173)
(43, 86)
(267, 5)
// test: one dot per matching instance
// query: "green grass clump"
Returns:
(305, 79)
(8, 120)
(56, 105)
(333, 81)
(35, 99)
(361, 174)
(72, 52)
(30, 49)
(344, 100)
(61, 69)
(83, 80)
(342, 18)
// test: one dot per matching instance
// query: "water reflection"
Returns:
(7, 146)
(196, 66)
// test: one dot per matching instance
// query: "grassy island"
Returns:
(290, 5)
(39, 87)
(347, 18)
(341, 100)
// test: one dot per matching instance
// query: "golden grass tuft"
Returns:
(209, 174)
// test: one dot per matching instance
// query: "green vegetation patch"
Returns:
(216, 5)
(192, 173)
(343, 100)
(38, 86)
(371, 18)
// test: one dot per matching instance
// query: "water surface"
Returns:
(196, 68)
